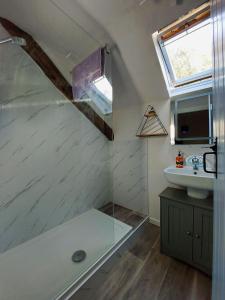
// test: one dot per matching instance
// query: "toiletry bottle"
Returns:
(179, 160)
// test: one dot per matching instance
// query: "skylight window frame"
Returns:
(196, 82)
(188, 79)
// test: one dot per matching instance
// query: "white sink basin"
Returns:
(198, 183)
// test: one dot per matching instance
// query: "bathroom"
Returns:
(110, 181)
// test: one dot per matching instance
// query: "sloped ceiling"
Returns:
(67, 40)
(69, 30)
(131, 23)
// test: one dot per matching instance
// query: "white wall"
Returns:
(129, 160)
(162, 154)
(131, 26)
(54, 164)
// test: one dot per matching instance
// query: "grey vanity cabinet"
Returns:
(203, 238)
(186, 228)
(176, 228)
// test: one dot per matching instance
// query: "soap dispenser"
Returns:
(179, 160)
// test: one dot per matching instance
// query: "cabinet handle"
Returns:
(197, 236)
(189, 233)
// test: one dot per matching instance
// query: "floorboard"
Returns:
(123, 214)
(143, 273)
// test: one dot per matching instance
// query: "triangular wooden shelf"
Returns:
(151, 125)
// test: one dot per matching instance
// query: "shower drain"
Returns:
(79, 256)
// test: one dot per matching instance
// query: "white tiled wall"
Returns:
(54, 164)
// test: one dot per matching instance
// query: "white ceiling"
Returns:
(61, 35)
(69, 30)
(131, 25)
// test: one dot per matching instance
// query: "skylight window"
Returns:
(104, 87)
(184, 50)
(190, 54)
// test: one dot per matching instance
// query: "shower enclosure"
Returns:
(68, 195)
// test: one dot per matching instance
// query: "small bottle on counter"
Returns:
(180, 160)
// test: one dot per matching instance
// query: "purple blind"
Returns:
(85, 73)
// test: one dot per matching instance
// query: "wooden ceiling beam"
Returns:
(34, 50)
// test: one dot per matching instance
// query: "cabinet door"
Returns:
(203, 238)
(176, 229)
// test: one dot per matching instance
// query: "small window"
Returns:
(185, 49)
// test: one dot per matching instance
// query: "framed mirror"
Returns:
(191, 120)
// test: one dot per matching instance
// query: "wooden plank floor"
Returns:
(123, 214)
(143, 273)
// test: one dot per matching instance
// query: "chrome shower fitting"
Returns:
(15, 40)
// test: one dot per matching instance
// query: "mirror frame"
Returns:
(173, 123)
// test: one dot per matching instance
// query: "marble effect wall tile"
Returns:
(128, 153)
(129, 170)
(54, 164)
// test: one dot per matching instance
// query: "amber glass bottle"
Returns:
(179, 160)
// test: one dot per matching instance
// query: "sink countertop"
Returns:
(188, 171)
(177, 194)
